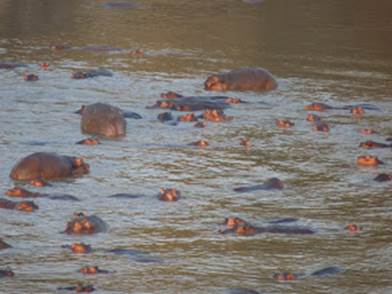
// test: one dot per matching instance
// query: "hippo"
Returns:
(372, 144)
(165, 116)
(92, 270)
(125, 196)
(270, 184)
(189, 117)
(4, 245)
(354, 109)
(23, 193)
(245, 142)
(243, 228)
(327, 271)
(136, 255)
(368, 160)
(200, 143)
(79, 248)
(83, 224)
(171, 95)
(321, 126)
(10, 65)
(120, 5)
(284, 123)
(246, 79)
(26, 206)
(89, 141)
(367, 132)
(104, 120)
(383, 177)
(46, 166)
(241, 291)
(79, 75)
(195, 103)
(216, 115)
(78, 289)
(7, 273)
(311, 117)
(169, 194)
(30, 77)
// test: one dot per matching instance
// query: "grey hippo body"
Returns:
(245, 79)
(46, 166)
(103, 120)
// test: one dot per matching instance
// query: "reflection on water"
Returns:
(336, 52)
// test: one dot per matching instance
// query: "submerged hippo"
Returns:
(102, 119)
(383, 177)
(92, 270)
(79, 248)
(355, 109)
(26, 206)
(243, 228)
(196, 103)
(23, 193)
(327, 271)
(78, 289)
(44, 165)
(372, 144)
(82, 224)
(79, 75)
(10, 64)
(270, 184)
(246, 79)
(7, 273)
(169, 194)
(4, 245)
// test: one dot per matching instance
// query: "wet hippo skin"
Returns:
(44, 165)
(103, 120)
(246, 79)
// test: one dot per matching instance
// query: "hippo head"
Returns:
(215, 83)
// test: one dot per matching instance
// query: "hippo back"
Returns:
(103, 120)
(253, 79)
(42, 165)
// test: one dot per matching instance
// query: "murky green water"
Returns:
(337, 52)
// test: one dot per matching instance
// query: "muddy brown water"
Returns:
(337, 52)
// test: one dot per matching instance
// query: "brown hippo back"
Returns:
(103, 120)
(43, 165)
(246, 79)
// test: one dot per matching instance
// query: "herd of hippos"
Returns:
(106, 121)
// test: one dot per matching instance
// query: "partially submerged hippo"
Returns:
(7, 273)
(355, 109)
(10, 65)
(44, 165)
(92, 270)
(243, 228)
(195, 103)
(79, 248)
(4, 245)
(383, 177)
(270, 184)
(327, 271)
(102, 119)
(372, 144)
(23, 193)
(171, 194)
(246, 79)
(78, 75)
(82, 224)
(26, 206)
(78, 289)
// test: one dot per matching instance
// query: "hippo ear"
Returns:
(80, 111)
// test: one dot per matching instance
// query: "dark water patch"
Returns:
(126, 196)
(137, 255)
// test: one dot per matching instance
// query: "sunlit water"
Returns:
(336, 52)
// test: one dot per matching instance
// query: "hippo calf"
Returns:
(246, 79)
(102, 119)
(44, 165)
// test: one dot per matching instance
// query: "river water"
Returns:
(337, 52)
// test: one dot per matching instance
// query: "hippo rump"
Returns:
(103, 120)
(45, 165)
(4, 245)
(246, 79)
